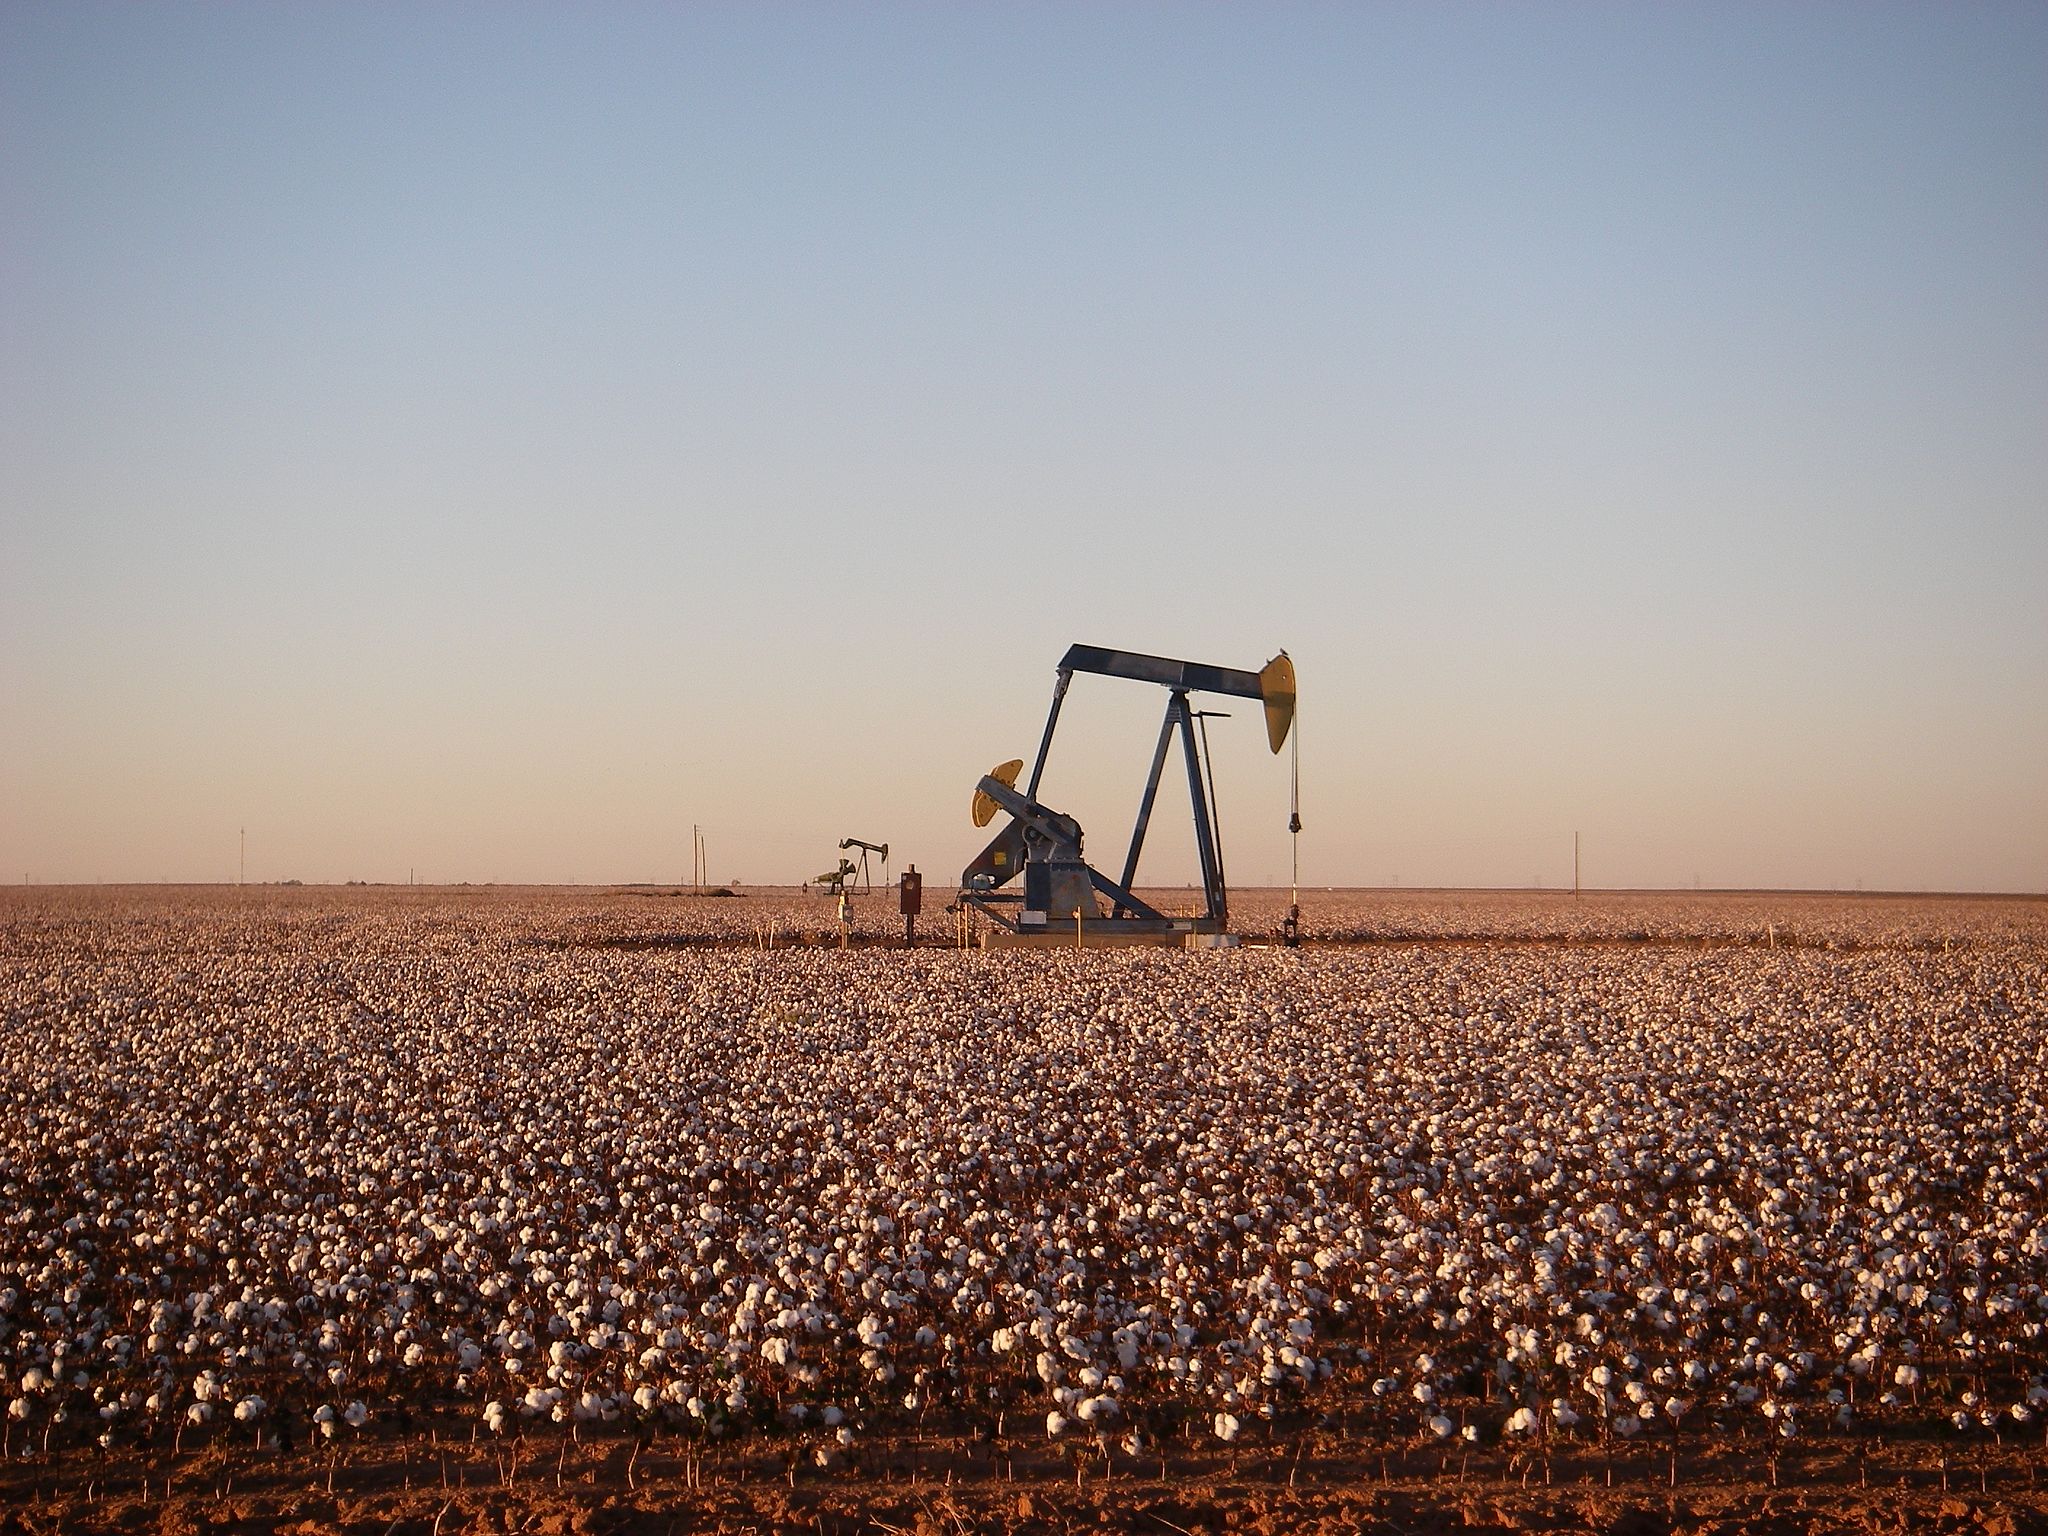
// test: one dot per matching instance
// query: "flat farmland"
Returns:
(490, 1208)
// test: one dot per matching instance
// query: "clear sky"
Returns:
(487, 440)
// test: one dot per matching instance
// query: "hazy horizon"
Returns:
(488, 441)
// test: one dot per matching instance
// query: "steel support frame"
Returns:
(1215, 897)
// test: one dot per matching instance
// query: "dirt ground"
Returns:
(940, 1488)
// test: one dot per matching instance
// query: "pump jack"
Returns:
(1045, 845)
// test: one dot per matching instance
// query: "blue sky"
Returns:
(487, 440)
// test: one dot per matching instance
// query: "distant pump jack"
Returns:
(849, 875)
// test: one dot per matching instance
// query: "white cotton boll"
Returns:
(1055, 1423)
(1628, 1424)
(1521, 1422)
(494, 1417)
(249, 1409)
(356, 1414)
(196, 1413)
(19, 1408)
(645, 1398)
(1228, 1426)
(1906, 1376)
(1441, 1427)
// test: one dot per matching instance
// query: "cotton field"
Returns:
(339, 1163)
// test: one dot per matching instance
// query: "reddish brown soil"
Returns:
(942, 1489)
